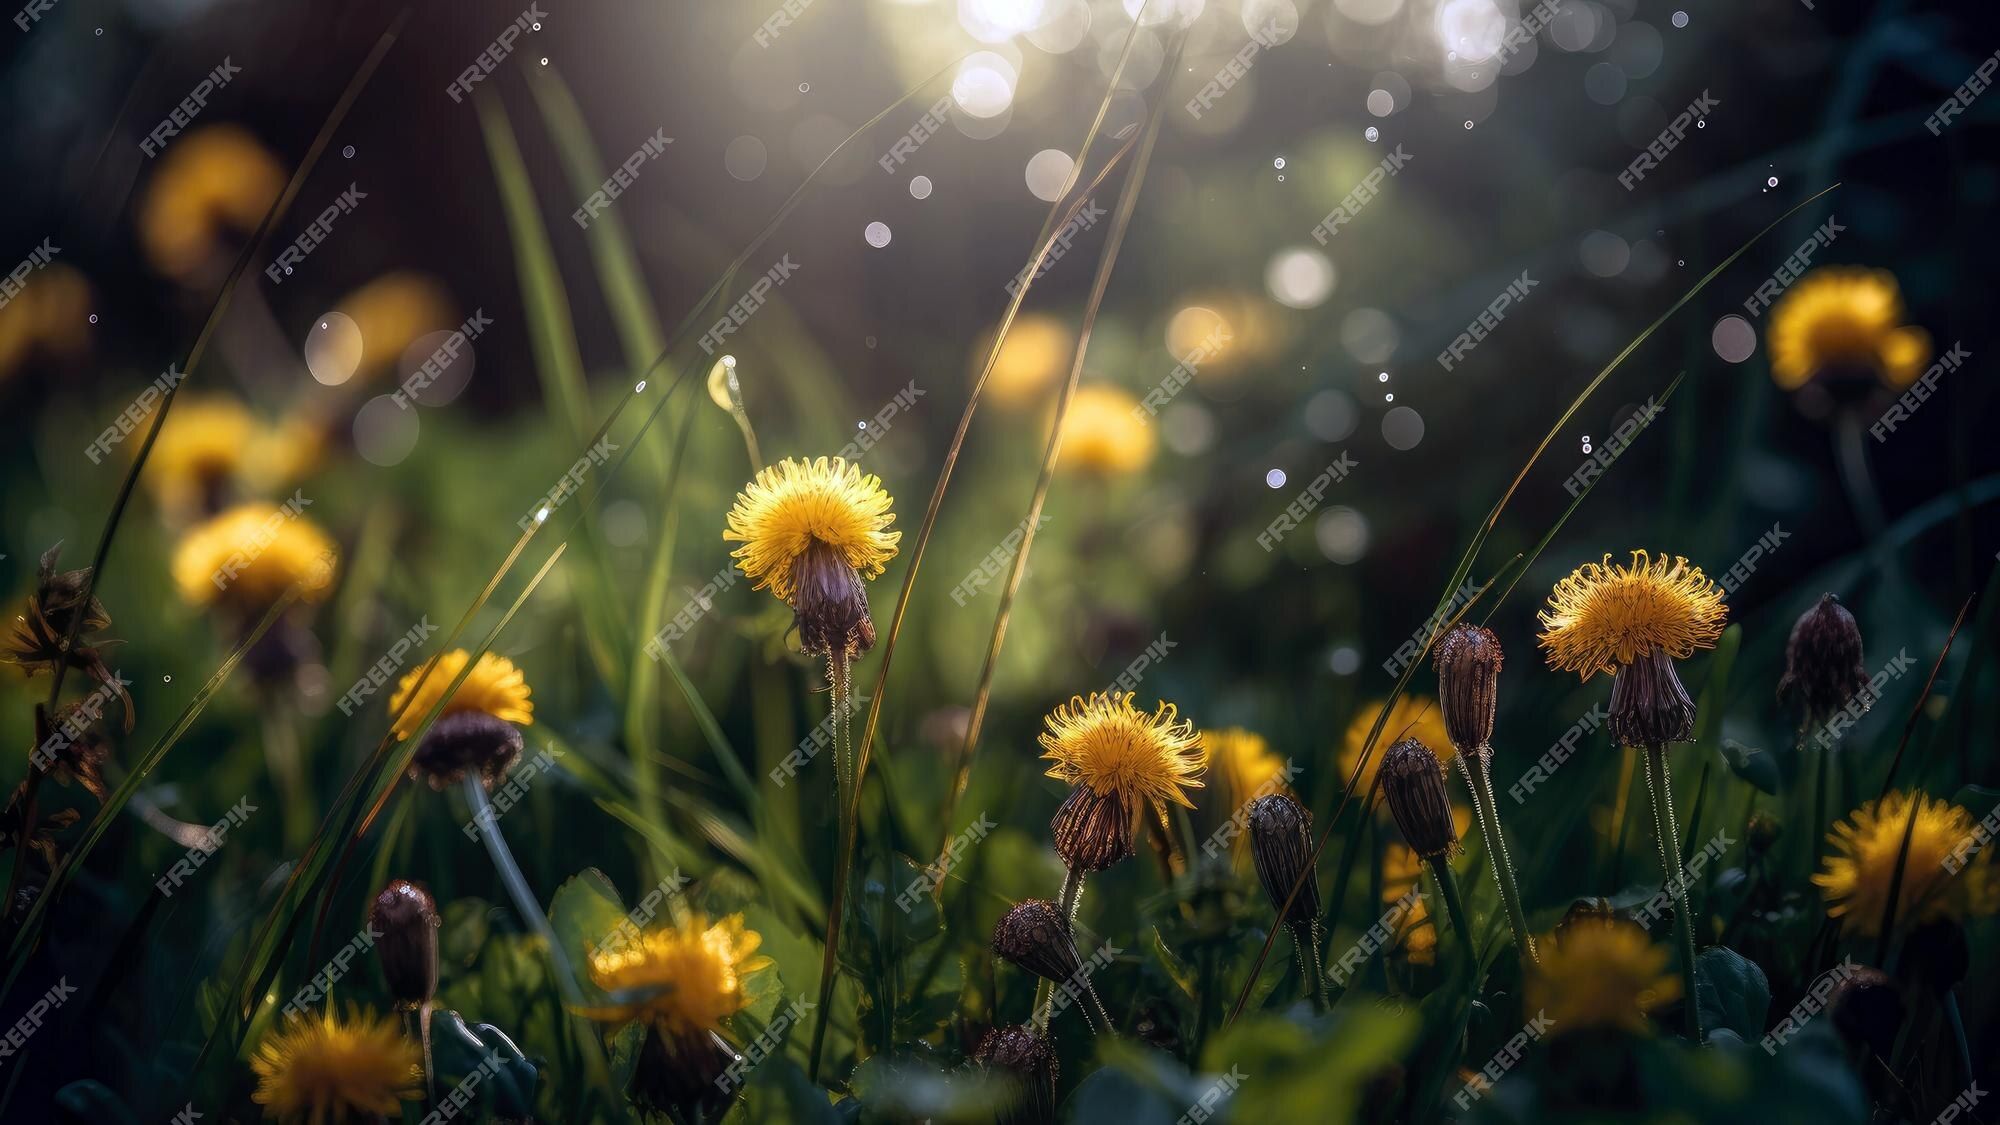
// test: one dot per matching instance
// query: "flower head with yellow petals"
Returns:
(321, 1068)
(1846, 321)
(1102, 432)
(1598, 973)
(811, 531)
(1603, 616)
(252, 553)
(1937, 881)
(1245, 762)
(477, 730)
(1107, 744)
(680, 979)
(213, 181)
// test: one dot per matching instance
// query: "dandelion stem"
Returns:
(1305, 943)
(1454, 903)
(1479, 778)
(1072, 897)
(1659, 789)
(525, 902)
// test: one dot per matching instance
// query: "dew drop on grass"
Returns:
(1586, 443)
(1468, 124)
(805, 87)
(93, 318)
(537, 26)
(1772, 182)
(166, 679)
(1279, 163)
(1680, 19)
(348, 152)
(1372, 133)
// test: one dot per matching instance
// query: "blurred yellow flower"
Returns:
(1413, 716)
(391, 312)
(213, 448)
(211, 181)
(1102, 434)
(323, 1069)
(1602, 616)
(50, 315)
(1417, 935)
(1600, 972)
(1245, 762)
(1938, 881)
(1037, 352)
(679, 979)
(1845, 318)
(495, 687)
(252, 553)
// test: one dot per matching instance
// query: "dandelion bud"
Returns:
(1413, 782)
(1468, 668)
(1034, 936)
(405, 922)
(1092, 830)
(466, 742)
(1027, 1056)
(830, 604)
(1763, 831)
(1823, 665)
(1281, 847)
(1649, 707)
(1868, 1010)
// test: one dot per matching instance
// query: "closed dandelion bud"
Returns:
(1649, 707)
(1034, 936)
(1092, 830)
(1413, 782)
(1468, 663)
(1823, 664)
(1026, 1056)
(1868, 1010)
(405, 922)
(1281, 847)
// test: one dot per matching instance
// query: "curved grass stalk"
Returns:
(850, 811)
(1471, 554)
(982, 695)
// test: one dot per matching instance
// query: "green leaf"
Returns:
(1178, 972)
(1752, 765)
(1731, 991)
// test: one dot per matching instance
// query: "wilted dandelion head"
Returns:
(1600, 972)
(1035, 936)
(1108, 745)
(322, 1068)
(1941, 877)
(811, 531)
(495, 687)
(252, 553)
(1468, 660)
(1413, 785)
(1845, 321)
(1823, 661)
(1281, 848)
(1412, 716)
(213, 181)
(681, 979)
(1602, 616)
(1102, 434)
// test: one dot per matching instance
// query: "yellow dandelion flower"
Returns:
(320, 1068)
(495, 687)
(1103, 434)
(690, 975)
(1109, 745)
(210, 181)
(1600, 973)
(1845, 318)
(391, 312)
(1413, 716)
(251, 554)
(1035, 354)
(794, 504)
(200, 450)
(1937, 883)
(1245, 762)
(50, 317)
(1604, 616)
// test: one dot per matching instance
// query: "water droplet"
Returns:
(729, 361)
(1275, 478)
(166, 679)
(93, 318)
(1701, 124)
(877, 234)
(1682, 262)
(348, 152)
(1382, 378)
(805, 87)
(1372, 133)
(870, 341)
(537, 26)
(100, 31)
(861, 425)
(1281, 179)
(1586, 443)
(1278, 163)
(1680, 19)
(1389, 397)
(640, 389)
(1468, 124)
(1772, 182)
(545, 60)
